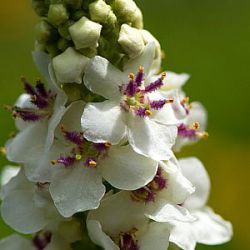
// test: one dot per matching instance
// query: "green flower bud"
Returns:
(85, 33)
(57, 14)
(74, 4)
(131, 40)
(128, 12)
(63, 44)
(101, 12)
(64, 29)
(44, 31)
(52, 49)
(69, 66)
(40, 7)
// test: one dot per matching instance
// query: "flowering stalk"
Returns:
(95, 146)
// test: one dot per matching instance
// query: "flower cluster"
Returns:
(95, 146)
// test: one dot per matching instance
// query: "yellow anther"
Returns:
(62, 127)
(78, 157)
(185, 100)
(33, 98)
(141, 69)
(171, 100)
(203, 135)
(195, 125)
(92, 163)
(108, 144)
(148, 112)
(163, 75)
(131, 76)
(53, 162)
(3, 150)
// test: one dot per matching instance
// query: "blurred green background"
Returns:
(208, 39)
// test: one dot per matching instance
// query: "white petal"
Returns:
(102, 122)
(19, 211)
(15, 242)
(118, 213)
(169, 212)
(194, 170)
(127, 170)
(8, 173)
(145, 59)
(182, 236)
(102, 78)
(76, 189)
(175, 81)
(150, 138)
(210, 228)
(178, 187)
(28, 143)
(99, 237)
(156, 237)
(198, 114)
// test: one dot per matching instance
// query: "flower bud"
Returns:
(131, 40)
(128, 12)
(101, 12)
(69, 66)
(148, 37)
(85, 33)
(64, 29)
(57, 14)
(44, 31)
(40, 7)
(73, 4)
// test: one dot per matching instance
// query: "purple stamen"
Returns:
(67, 161)
(128, 242)
(29, 89)
(41, 240)
(139, 77)
(74, 137)
(154, 85)
(131, 88)
(90, 162)
(141, 112)
(29, 116)
(40, 101)
(184, 131)
(101, 147)
(157, 104)
(41, 89)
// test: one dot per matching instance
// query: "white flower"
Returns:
(16, 242)
(78, 166)
(192, 127)
(69, 66)
(117, 225)
(8, 173)
(209, 228)
(38, 114)
(132, 109)
(35, 206)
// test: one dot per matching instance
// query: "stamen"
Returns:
(140, 76)
(91, 162)
(73, 136)
(160, 104)
(155, 85)
(131, 77)
(128, 241)
(67, 161)
(29, 89)
(195, 125)
(41, 240)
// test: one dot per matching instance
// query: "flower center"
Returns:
(191, 132)
(135, 95)
(128, 241)
(41, 240)
(82, 151)
(42, 100)
(148, 193)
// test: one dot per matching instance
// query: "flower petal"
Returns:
(210, 228)
(15, 242)
(27, 218)
(127, 170)
(145, 59)
(150, 138)
(76, 189)
(194, 170)
(99, 237)
(8, 173)
(102, 78)
(102, 122)
(174, 80)
(156, 237)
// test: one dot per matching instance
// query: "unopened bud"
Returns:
(74, 4)
(44, 31)
(85, 33)
(128, 12)
(40, 7)
(131, 40)
(64, 29)
(101, 12)
(69, 66)
(57, 14)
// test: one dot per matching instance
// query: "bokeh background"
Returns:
(208, 39)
